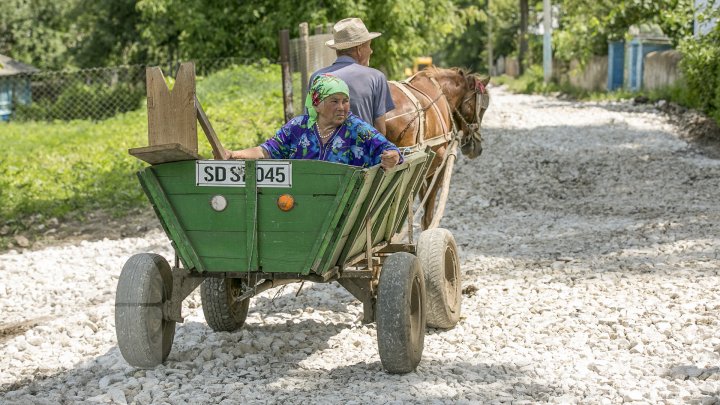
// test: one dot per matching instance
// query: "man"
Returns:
(369, 90)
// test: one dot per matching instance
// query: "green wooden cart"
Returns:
(239, 228)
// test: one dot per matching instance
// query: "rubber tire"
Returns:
(217, 298)
(400, 313)
(437, 251)
(143, 336)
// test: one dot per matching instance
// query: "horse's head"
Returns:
(469, 113)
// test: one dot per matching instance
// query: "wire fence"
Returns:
(92, 94)
(100, 93)
(305, 55)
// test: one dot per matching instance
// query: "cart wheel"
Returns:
(401, 313)
(221, 309)
(437, 252)
(144, 336)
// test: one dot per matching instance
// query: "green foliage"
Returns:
(701, 67)
(413, 28)
(108, 34)
(468, 49)
(37, 32)
(586, 27)
(59, 168)
(532, 81)
(197, 29)
(65, 169)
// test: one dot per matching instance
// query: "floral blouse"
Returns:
(355, 143)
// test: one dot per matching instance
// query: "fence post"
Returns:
(286, 74)
(304, 56)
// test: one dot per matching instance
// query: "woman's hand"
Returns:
(249, 153)
(389, 159)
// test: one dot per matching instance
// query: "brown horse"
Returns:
(440, 108)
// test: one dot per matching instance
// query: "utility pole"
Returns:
(547, 40)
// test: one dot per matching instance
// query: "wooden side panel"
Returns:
(286, 241)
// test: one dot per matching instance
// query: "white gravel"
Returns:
(590, 248)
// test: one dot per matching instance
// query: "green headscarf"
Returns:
(323, 86)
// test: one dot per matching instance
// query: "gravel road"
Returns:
(589, 237)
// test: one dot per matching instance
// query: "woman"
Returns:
(329, 131)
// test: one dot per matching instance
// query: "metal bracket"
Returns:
(183, 285)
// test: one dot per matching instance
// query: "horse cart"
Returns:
(241, 227)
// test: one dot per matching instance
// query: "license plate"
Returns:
(231, 173)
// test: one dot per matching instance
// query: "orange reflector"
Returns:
(286, 202)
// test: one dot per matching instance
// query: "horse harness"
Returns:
(481, 103)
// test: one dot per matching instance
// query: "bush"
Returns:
(84, 101)
(701, 66)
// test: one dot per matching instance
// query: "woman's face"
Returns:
(334, 109)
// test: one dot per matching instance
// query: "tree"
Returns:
(468, 48)
(587, 26)
(108, 33)
(522, 51)
(37, 32)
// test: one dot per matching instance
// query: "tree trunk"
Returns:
(522, 52)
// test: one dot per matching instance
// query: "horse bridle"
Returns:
(482, 102)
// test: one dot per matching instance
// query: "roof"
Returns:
(10, 67)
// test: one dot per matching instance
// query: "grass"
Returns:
(66, 169)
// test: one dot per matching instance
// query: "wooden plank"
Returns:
(157, 154)
(220, 244)
(209, 132)
(274, 265)
(410, 185)
(168, 216)
(284, 39)
(358, 225)
(172, 115)
(313, 186)
(300, 167)
(384, 194)
(416, 181)
(251, 215)
(328, 229)
(196, 214)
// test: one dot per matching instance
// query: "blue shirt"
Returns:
(355, 142)
(369, 90)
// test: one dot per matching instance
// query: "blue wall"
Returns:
(616, 65)
(637, 50)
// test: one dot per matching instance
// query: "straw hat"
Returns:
(350, 32)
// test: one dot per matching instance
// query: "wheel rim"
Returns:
(160, 330)
(451, 276)
(235, 290)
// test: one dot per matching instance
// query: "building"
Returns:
(14, 85)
